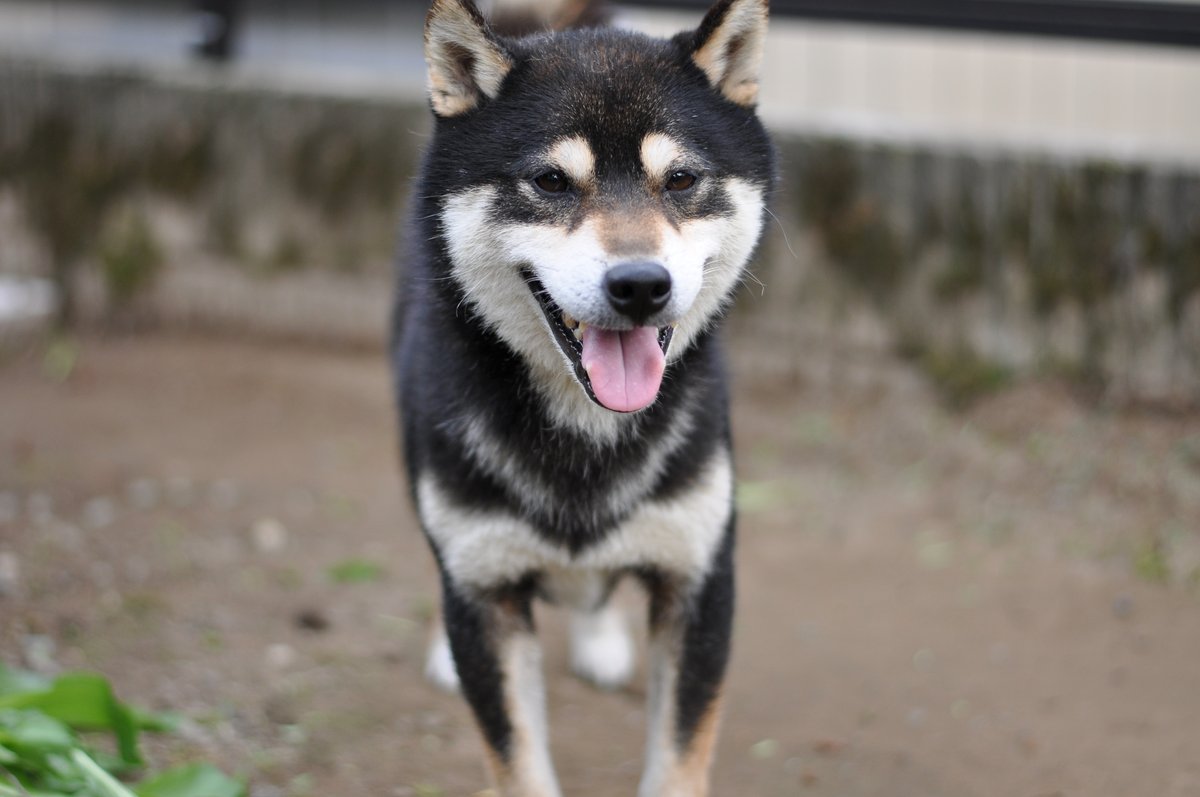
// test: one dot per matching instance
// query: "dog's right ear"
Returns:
(466, 62)
(728, 48)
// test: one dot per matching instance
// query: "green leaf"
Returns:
(355, 571)
(428, 790)
(9, 791)
(15, 682)
(194, 780)
(105, 784)
(85, 702)
(62, 355)
(761, 496)
(34, 731)
(39, 745)
(155, 721)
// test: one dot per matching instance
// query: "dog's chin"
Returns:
(620, 370)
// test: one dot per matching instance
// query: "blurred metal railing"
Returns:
(1143, 21)
(1162, 22)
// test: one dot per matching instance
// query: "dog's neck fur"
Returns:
(572, 477)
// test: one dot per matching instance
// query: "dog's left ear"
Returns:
(728, 47)
(466, 62)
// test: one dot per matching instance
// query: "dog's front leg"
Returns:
(499, 666)
(690, 627)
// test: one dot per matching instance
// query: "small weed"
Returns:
(301, 786)
(355, 571)
(424, 608)
(143, 606)
(1150, 563)
(288, 254)
(960, 376)
(341, 507)
(131, 258)
(180, 161)
(761, 496)
(60, 359)
(815, 429)
(226, 234)
(42, 750)
(427, 790)
(1188, 451)
(933, 552)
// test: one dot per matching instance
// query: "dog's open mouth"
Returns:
(621, 370)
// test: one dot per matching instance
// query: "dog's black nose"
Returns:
(638, 290)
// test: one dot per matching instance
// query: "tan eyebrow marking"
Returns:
(659, 153)
(575, 157)
(630, 234)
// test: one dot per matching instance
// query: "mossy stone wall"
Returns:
(280, 211)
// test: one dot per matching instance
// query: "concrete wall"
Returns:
(204, 201)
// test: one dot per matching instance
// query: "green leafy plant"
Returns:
(131, 258)
(43, 752)
(355, 571)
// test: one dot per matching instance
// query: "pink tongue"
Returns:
(626, 368)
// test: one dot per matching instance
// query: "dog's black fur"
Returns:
(450, 364)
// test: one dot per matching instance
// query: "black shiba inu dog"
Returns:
(586, 208)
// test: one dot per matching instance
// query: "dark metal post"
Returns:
(217, 22)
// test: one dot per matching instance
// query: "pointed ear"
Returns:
(466, 62)
(728, 47)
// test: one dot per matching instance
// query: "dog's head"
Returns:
(600, 191)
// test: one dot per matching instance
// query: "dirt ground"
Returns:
(932, 604)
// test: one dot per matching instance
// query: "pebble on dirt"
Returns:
(38, 652)
(143, 494)
(828, 747)
(280, 656)
(269, 535)
(764, 749)
(100, 512)
(312, 620)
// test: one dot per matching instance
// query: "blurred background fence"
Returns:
(990, 188)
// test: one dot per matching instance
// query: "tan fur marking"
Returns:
(529, 772)
(630, 235)
(496, 767)
(446, 97)
(464, 63)
(690, 774)
(659, 153)
(679, 773)
(732, 54)
(574, 156)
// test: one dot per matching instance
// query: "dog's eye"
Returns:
(680, 181)
(552, 182)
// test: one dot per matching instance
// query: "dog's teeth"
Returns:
(579, 330)
(568, 320)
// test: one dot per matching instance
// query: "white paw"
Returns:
(601, 648)
(439, 663)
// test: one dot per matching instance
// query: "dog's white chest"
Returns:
(485, 549)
